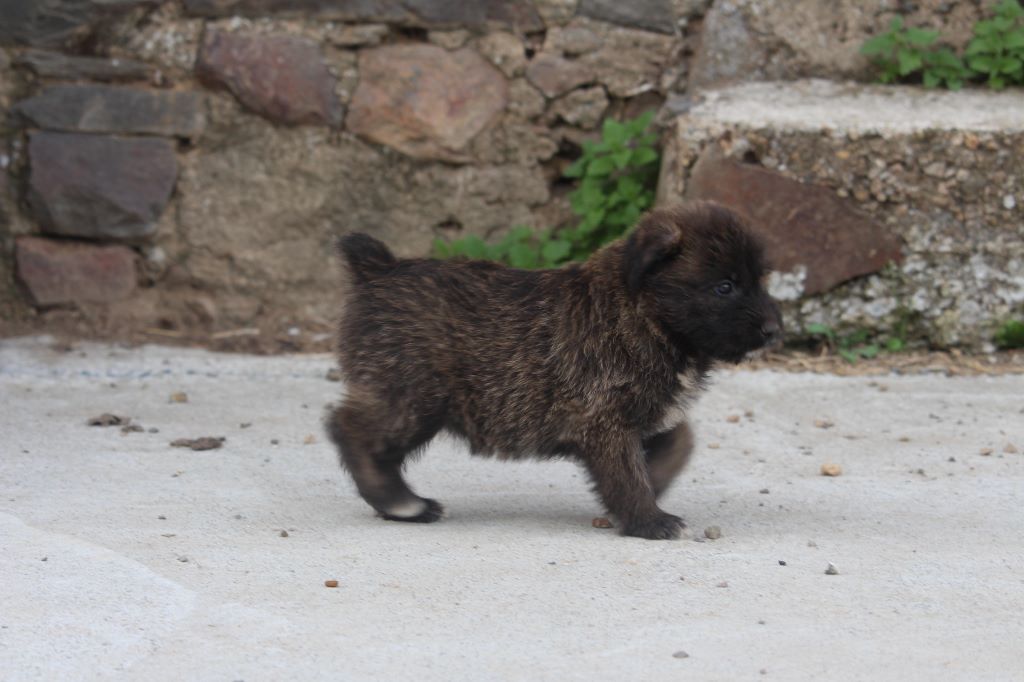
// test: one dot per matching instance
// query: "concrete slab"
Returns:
(125, 558)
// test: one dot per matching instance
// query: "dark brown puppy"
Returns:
(594, 362)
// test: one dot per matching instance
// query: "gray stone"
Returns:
(282, 77)
(386, 11)
(583, 108)
(113, 109)
(425, 101)
(55, 23)
(57, 272)
(650, 15)
(518, 14)
(98, 186)
(629, 61)
(571, 40)
(556, 12)
(555, 76)
(46, 64)
(505, 51)
(357, 35)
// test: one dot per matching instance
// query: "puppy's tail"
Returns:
(367, 258)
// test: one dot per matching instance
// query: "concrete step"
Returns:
(893, 209)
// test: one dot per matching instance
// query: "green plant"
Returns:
(1011, 334)
(859, 343)
(942, 66)
(997, 49)
(617, 176)
(899, 52)
(617, 179)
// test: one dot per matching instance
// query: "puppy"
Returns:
(594, 361)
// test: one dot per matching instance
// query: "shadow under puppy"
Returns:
(593, 361)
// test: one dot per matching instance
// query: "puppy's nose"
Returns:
(771, 330)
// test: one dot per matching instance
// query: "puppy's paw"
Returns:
(663, 527)
(422, 510)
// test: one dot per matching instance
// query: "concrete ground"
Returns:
(122, 557)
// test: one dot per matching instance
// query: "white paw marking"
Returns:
(408, 509)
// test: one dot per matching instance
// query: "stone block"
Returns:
(115, 109)
(58, 271)
(98, 186)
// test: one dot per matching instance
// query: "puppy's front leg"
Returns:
(619, 470)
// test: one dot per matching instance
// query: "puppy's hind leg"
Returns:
(373, 440)
(667, 454)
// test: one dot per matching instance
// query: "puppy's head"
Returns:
(702, 271)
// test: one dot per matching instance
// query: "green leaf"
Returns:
(894, 345)
(613, 132)
(880, 44)
(473, 246)
(621, 159)
(931, 80)
(818, 329)
(556, 250)
(909, 62)
(522, 256)
(896, 25)
(921, 37)
(644, 155)
(601, 166)
(575, 169)
(849, 356)
(869, 351)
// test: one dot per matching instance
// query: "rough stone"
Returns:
(279, 76)
(99, 186)
(505, 51)
(555, 76)
(57, 272)
(584, 108)
(518, 14)
(650, 15)
(424, 101)
(524, 100)
(384, 11)
(261, 209)
(629, 61)
(803, 225)
(114, 109)
(571, 40)
(749, 40)
(55, 23)
(46, 64)
(449, 40)
(556, 12)
(357, 35)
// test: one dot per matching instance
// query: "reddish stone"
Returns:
(800, 223)
(281, 77)
(74, 272)
(555, 76)
(425, 101)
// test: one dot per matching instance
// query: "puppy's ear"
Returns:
(655, 240)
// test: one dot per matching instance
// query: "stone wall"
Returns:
(183, 164)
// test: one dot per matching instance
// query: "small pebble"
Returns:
(309, 440)
(162, 517)
(812, 543)
(732, 418)
(824, 423)
(724, 583)
(712, 532)
(904, 439)
(601, 522)
(154, 430)
(698, 538)
(680, 654)
(108, 419)
(951, 459)
(781, 562)
(713, 446)
(274, 441)
(330, 583)
(985, 452)
(334, 374)
(245, 425)
(829, 469)
(764, 491)
(760, 622)
(204, 443)
(284, 533)
(1010, 449)
(831, 570)
(179, 397)
(749, 414)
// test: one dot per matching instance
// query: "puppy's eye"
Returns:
(724, 288)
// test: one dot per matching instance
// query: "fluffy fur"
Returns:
(593, 361)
